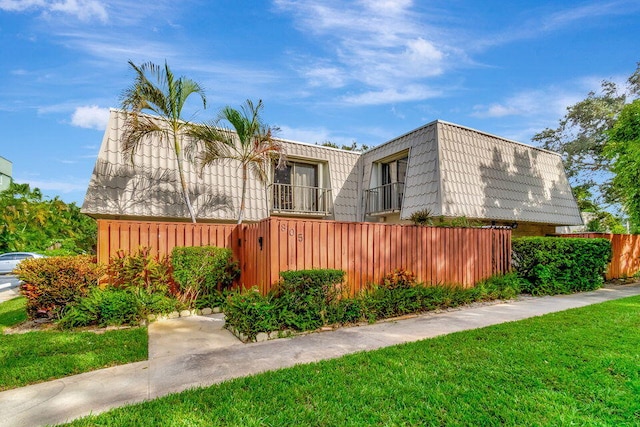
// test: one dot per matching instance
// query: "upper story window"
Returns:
(394, 171)
(387, 185)
(297, 174)
(298, 188)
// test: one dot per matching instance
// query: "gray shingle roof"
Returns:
(452, 170)
(150, 186)
(484, 176)
(457, 171)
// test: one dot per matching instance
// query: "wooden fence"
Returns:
(365, 251)
(625, 260)
(161, 237)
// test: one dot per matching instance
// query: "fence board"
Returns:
(365, 251)
(129, 236)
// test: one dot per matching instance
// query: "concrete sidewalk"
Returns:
(196, 351)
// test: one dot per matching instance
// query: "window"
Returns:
(394, 171)
(296, 188)
(388, 186)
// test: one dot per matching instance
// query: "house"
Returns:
(450, 170)
(5, 173)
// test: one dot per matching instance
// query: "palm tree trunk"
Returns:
(244, 191)
(183, 183)
(185, 194)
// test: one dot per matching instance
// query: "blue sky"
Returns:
(327, 70)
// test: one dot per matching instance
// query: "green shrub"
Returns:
(50, 284)
(556, 265)
(214, 299)
(103, 307)
(203, 270)
(305, 298)
(155, 303)
(346, 311)
(140, 270)
(307, 280)
(422, 217)
(249, 313)
(399, 278)
(504, 286)
(379, 302)
(115, 307)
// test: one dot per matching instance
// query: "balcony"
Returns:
(384, 199)
(298, 199)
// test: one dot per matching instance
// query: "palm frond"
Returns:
(136, 129)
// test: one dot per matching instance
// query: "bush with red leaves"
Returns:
(50, 284)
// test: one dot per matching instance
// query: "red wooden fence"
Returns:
(365, 251)
(625, 261)
(161, 237)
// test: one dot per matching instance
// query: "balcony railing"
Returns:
(287, 198)
(386, 198)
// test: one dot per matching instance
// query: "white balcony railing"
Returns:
(386, 198)
(287, 198)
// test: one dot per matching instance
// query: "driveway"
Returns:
(9, 287)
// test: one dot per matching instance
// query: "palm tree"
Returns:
(156, 90)
(248, 141)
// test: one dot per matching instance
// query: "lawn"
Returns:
(40, 356)
(578, 367)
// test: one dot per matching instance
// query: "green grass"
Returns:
(12, 312)
(578, 367)
(40, 356)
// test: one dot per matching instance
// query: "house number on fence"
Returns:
(291, 232)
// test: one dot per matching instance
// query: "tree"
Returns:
(248, 141)
(582, 135)
(30, 222)
(156, 90)
(623, 150)
(353, 147)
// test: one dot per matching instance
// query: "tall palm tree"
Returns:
(156, 90)
(248, 141)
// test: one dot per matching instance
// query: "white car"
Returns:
(10, 260)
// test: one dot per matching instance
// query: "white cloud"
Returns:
(385, 45)
(540, 24)
(21, 5)
(397, 113)
(105, 47)
(584, 12)
(549, 101)
(527, 112)
(393, 95)
(90, 117)
(84, 10)
(325, 76)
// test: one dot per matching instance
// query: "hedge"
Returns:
(306, 300)
(557, 265)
